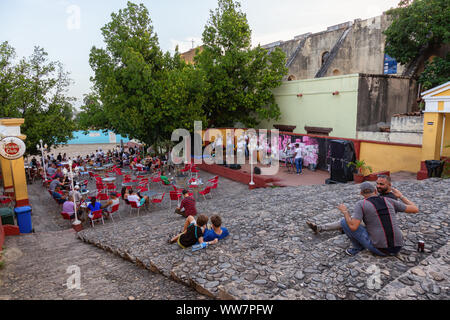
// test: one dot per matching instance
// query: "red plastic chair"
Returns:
(194, 172)
(215, 179)
(67, 216)
(187, 167)
(158, 179)
(8, 201)
(158, 200)
(102, 196)
(115, 209)
(142, 188)
(206, 191)
(135, 205)
(174, 196)
(96, 216)
(111, 187)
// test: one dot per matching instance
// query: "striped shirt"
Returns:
(188, 204)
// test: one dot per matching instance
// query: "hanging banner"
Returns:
(12, 148)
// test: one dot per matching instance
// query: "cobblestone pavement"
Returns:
(37, 268)
(272, 254)
(36, 265)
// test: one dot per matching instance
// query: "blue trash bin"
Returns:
(24, 219)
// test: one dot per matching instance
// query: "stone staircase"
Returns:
(272, 254)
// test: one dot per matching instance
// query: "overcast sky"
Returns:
(55, 26)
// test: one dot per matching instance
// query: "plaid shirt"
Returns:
(188, 204)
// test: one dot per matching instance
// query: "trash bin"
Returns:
(434, 168)
(24, 219)
(7, 216)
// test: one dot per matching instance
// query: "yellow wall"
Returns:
(19, 179)
(6, 173)
(432, 136)
(392, 158)
(446, 151)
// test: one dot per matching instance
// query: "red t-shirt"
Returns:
(189, 206)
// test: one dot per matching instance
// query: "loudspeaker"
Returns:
(341, 153)
(257, 170)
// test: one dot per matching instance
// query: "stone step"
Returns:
(429, 280)
(271, 253)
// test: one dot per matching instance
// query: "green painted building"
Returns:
(342, 105)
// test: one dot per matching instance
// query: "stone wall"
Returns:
(382, 96)
(362, 51)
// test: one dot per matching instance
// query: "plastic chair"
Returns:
(158, 200)
(135, 205)
(102, 196)
(206, 191)
(158, 179)
(215, 179)
(194, 170)
(67, 216)
(6, 201)
(142, 188)
(111, 187)
(115, 209)
(214, 186)
(96, 216)
(174, 196)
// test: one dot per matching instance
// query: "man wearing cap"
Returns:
(384, 189)
(76, 194)
(381, 234)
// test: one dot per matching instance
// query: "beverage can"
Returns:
(421, 246)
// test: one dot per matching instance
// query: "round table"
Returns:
(195, 188)
(129, 184)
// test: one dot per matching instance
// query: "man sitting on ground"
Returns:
(192, 232)
(384, 188)
(382, 235)
(187, 207)
(217, 232)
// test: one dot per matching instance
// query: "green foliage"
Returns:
(36, 89)
(360, 166)
(240, 78)
(416, 25)
(436, 72)
(139, 91)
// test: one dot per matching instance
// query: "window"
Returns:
(325, 56)
(291, 77)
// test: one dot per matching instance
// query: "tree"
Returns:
(139, 91)
(240, 78)
(417, 25)
(36, 89)
(436, 73)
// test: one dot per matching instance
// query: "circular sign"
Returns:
(12, 148)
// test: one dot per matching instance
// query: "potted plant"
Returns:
(361, 169)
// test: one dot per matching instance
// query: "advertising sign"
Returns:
(12, 148)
